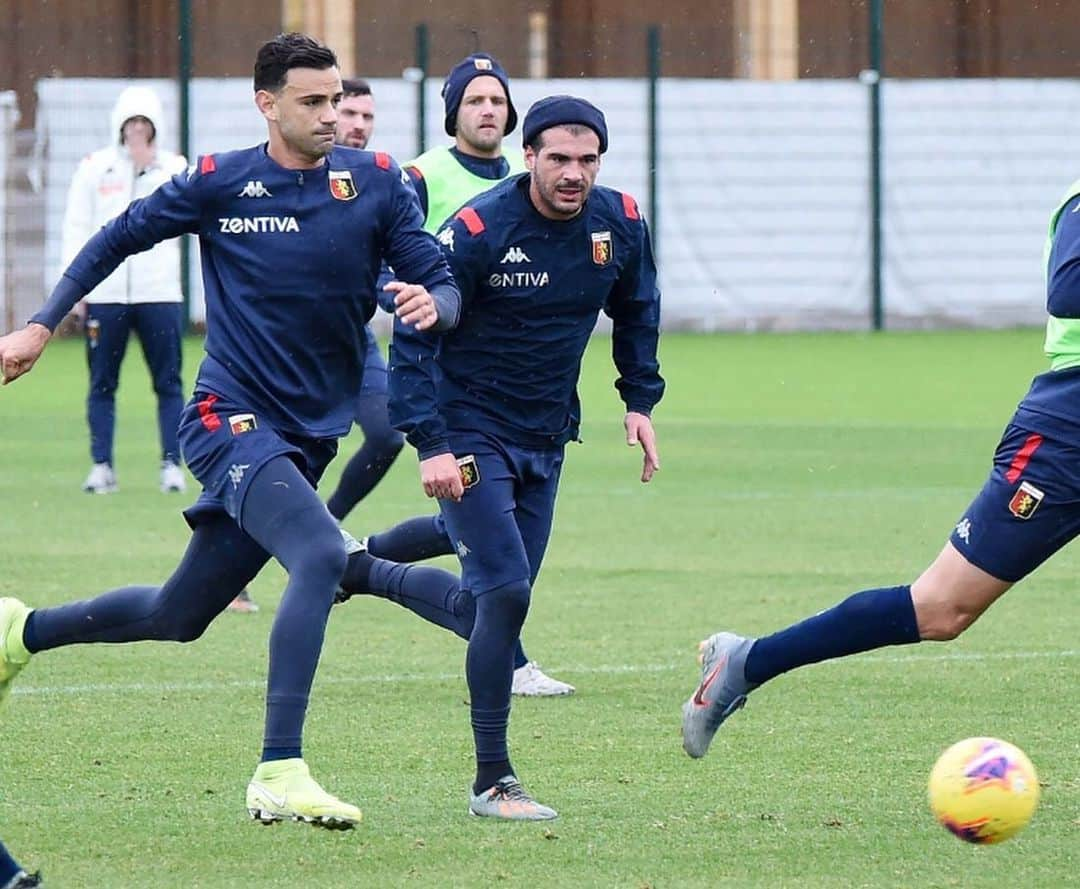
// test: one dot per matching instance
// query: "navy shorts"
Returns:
(225, 445)
(501, 527)
(1028, 509)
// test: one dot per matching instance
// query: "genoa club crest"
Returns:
(1025, 501)
(241, 423)
(341, 185)
(602, 251)
(470, 472)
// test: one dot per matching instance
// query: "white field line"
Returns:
(395, 678)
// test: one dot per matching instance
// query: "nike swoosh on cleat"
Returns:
(699, 695)
(278, 801)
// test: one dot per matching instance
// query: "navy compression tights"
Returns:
(282, 515)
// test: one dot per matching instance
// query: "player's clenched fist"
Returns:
(415, 305)
(441, 477)
(19, 350)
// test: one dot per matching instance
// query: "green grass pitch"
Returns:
(795, 469)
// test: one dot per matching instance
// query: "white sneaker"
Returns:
(532, 682)
(172, 478)
(101, 480)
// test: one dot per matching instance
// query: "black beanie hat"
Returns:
(555, 111)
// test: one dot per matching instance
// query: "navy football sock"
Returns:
(862, 622)
(433, 594)
(412, 541)
(487, 773)
(284, 514)
(489, 668)
(219, 562)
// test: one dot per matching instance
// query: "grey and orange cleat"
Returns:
(508, 800)
(243, 603)
(722, 691)
(13, 654)
(283, 790)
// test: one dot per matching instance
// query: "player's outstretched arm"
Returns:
(21, 349)
(639, 431)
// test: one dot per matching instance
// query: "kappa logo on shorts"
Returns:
(470, 472)
(963, 529)
(241, 423)
(236, 473)
(1025, 501)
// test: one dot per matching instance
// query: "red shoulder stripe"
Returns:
(415, 172)
(382, 160)
(207, 165)
(629, 206)
(472, 220)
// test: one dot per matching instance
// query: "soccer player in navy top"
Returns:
(292, 233)
(536, 259)
(478, 113)
(1028, 509)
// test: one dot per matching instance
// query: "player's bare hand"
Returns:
(19, 350)
(441, 477)
(639, 431)
(414, 304)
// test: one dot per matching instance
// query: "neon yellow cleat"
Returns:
(13, 654)
(284, 790)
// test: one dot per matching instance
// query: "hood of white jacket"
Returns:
(138, 101)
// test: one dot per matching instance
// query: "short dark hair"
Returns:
(355, 86)
(286, 51)
(575, 129)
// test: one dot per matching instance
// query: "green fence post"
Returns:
(421, 83)
(653, 41)
(872, 77)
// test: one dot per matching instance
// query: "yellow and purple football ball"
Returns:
(983, 790)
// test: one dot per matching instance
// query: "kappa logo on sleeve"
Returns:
(241, 423)
(446, 238)
(342, 186)
(1025, 501)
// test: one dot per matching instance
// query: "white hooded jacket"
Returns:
(103, 185)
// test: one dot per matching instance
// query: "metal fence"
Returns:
(762, 216)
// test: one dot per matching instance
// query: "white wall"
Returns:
(9, 116)
(763, 186)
